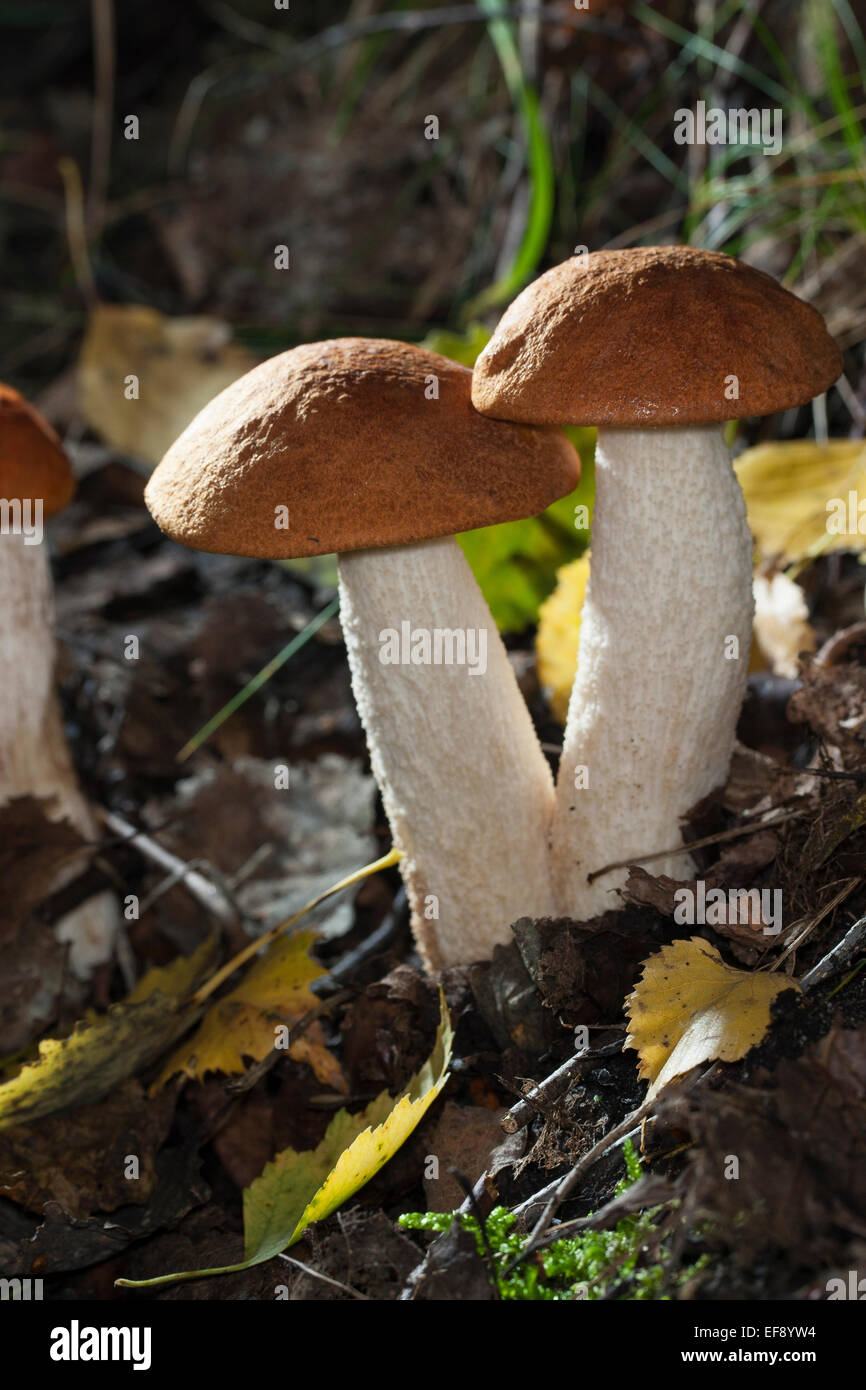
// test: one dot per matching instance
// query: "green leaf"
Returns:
(460, 347)
(296, 1189)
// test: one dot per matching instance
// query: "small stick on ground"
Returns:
(554, 1086)
(736, 833)
(325, 1278)
(836, 960)
(212, 899)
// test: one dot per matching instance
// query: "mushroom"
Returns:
(658, 347)
(372, 449)
(36, 481)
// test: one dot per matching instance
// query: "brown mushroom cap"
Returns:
(33, 464)
(343, 434)
(653, 336)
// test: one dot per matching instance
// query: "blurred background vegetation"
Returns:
(305, 127)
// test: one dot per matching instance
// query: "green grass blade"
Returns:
(299, 640)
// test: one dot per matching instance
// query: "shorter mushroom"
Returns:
(373, 447)
(658, 347)
(36, 481)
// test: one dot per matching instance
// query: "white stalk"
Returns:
(34, 756)
(663, 662)
(467, 790)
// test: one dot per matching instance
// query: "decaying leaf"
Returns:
(179, 364)
(297, 1189)
(100, 1054)
(558, 635)
(691, 1007)
(798, 1134)
(274, 992)
(80, 1160)
(799, 496)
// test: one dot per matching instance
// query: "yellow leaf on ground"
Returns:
(298, 1188)
(179, 364)
(802, 498)
(101, 1053)
(690, 1007)
(558, 635)
(274, 994)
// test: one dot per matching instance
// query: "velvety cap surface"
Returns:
(653, 336)
(350, 437)
(32, 461)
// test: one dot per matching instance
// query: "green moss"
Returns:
(591, 1265)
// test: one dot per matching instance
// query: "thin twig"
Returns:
(566, 1185)
(736, 833)
(211, 898)
(325, 1278)
(809, 924)
(553, 1086)
(377, 940)
(841, 955)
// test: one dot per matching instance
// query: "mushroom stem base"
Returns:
(34, 755)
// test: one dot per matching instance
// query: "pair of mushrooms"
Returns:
(381, 451)
(36, 482)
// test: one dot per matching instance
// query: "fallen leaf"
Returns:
(180, 364)
(101, 1053)
(797, 496)
(798, 1134)
(297, 1189)
(691, 1007)
(80, 1160)
(275, 991)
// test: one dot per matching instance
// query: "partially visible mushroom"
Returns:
(36, 481)
(373, 447)
(658, 346)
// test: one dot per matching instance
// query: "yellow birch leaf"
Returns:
(558, 635)
(799, 496)
(690, 1007)
(275, 991)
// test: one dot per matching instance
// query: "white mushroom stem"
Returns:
(467, 790)
(34, 756)
(663, 661)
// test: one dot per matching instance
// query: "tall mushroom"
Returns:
(36, 481)
(374, 448)
(657, 346)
